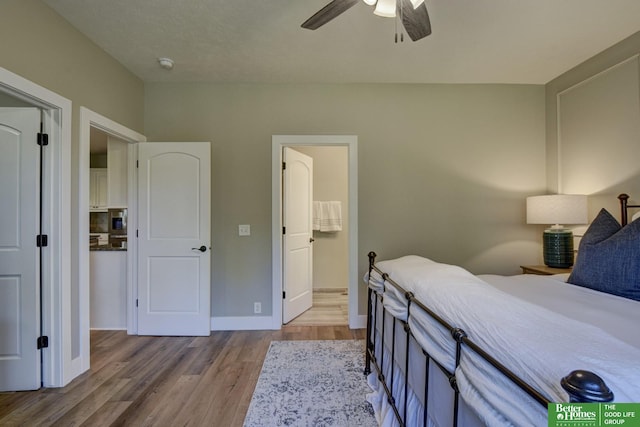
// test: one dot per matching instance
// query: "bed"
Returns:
(445, 347)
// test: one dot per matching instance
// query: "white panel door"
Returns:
(19, 256)
(174, 234)
(298, 253)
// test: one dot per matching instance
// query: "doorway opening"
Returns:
(349, 142)
(330, 264)
(94, 122)
(108, 205)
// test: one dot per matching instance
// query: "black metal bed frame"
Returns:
(582, 386)
(624, 208)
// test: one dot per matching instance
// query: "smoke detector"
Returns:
(166, 63)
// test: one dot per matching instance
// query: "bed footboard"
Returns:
(387, 350)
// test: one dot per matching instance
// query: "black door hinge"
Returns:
(43, 342)
(284, 230)
(137, 163)
(284, 295)
(43, 139)
(136, 302)
(284, 165)
(42, 240)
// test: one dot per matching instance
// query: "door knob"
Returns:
(311, 240)
(202, 248)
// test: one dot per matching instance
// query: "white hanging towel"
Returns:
(327, 216)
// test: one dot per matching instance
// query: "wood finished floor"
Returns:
(160, 381)
(329, 308)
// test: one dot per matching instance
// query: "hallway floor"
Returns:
(330, 307)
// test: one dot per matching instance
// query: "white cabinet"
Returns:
(98, 188)
(108, 289)
(108, 186)
(117, 160)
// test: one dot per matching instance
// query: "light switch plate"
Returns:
(244, 230)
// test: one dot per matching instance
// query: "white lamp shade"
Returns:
(557, 209)
(370, 2)
(386, 8)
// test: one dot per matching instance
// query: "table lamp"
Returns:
(557, 209)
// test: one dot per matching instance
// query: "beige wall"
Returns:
(443, 170)
(40, 46)
(593, 122)
(331, 182)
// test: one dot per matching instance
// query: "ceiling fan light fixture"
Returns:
(413, 15)
(386, 8)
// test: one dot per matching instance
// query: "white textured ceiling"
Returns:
(473, 41)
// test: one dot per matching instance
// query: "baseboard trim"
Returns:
(360, 322)
(241, 323)
(262, 323)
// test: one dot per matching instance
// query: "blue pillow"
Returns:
(609, 257)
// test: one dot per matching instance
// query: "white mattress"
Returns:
(618, 316)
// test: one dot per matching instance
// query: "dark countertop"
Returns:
(106, 248)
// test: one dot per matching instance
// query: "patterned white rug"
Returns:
(312, 383)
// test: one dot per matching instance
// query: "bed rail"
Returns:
(624, 208)
(582, 386)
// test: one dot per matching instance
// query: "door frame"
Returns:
(277, 143)
(60, 364)
(89, 119)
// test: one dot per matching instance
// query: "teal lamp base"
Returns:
(558, 247)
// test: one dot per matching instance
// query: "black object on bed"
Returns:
(624, 208)
(388, 351)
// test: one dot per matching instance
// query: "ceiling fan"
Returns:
(412, 13)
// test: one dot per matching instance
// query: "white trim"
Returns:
(360, 322)
(264, 323)
(241, 323)
(277, 143)
(90, 119)
(58, 364)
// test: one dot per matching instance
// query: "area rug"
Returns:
(312, 383)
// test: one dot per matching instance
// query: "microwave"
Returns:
(118, 221)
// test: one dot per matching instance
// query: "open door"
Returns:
(19, 254)
(174, 234)
(297, 256)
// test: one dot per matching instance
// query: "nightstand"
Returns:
(543, 270)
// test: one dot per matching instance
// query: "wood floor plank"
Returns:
(135, 381)
(50, 406)
(329, 307)
(106, 414)
(172, 400)
(91, 403)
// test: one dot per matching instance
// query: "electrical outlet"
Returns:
(257, 307)
(244, 230)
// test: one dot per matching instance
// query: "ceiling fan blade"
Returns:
(327, 13)
(416, 21)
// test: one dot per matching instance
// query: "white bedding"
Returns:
(616, 315)
(524, 336)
